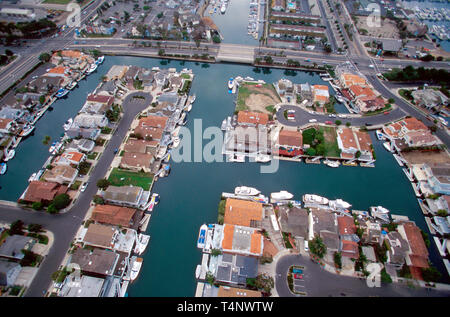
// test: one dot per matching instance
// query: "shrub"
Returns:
(61, 201)
(37, 205)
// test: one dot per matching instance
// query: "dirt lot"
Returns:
(257, 97)
(417, 157)
(388, 28)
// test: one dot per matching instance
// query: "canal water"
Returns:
(190, 195)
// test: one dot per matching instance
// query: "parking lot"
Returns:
(299, 277)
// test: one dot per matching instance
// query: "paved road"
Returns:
(64, 226)
(318, 282)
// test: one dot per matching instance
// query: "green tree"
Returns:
(34, 227)
(317, 247)
(103, 183)
(338, 122)
(431, 274)
(37, 205)
(16, 228)
(98, 200)
(51, 209)
(216, 252)
(264, 282)
(338, 259)
(385, 277)
(61, 201)
(44, 57)
(442, 213)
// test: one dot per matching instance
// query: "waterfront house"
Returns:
(43, 192)
(117, 215)
(248, 140)
(417, 254)
(396, 248)
(141, 146)
(137, 161)
(175, 82)
(346, 225)
(131, 196)
(320, 94)
(289, 143)
(442, 224)
(86, 133)
(347, 79)
(438, 177)
(243, 213)
(146, 76)
(9, 271)
(131, 74)
(116, 72)
(366, 104)
(107, 88)
(400, 128)
(46, 84)
(95, 262)
(242, 240)
(305, 91)
(85, 120)
(364, 145)
(61, 174)
(347, 142)
(6, 125)
(88, 286)
(441, 203)
(109, 237)
(97, 104)
(8, 112)
(371, 232)
(294, 221)
(83, 145)
(323, 220)
(70, 158)
(430, 99)
(235, 269)
(226, 291)
(284, 87)
(420, 139)
(160, 79)
(252, 119)
(58, 71)
(12, 246)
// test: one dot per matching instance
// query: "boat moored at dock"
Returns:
(9, 155)
(202, 236)
(315, 199)
(136, 264)
(247, 191)
(3, 168)
(281, 195)
(141, 243)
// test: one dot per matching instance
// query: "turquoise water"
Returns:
(190, 195)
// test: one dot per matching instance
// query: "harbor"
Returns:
(198, 205)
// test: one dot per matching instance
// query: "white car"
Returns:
(306, 246)
(83, 187)
(312, 120)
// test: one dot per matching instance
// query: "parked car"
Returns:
(368, 124)
(328, 122)
(116, 150)
(306, 246)
(298, 276)
(84, 186)
(297, 271)
(386, 112)
(312, 120)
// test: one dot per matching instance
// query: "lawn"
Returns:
(322, 140)
(331, 145)
(120, 177)
(247, 89)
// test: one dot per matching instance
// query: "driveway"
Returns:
(320, 283)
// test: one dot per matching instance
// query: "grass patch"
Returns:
(246, 89)
(221, 211)
(75, 185)
(371, 113)
(106, 130)
(92, 156)
(271, 109)
(185, 76)
(120, 177)
(287, 243)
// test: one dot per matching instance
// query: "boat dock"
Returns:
(440, 246)
(399, 218)
(397, 158)
(408, 174)
(144, 222)
(312, 161)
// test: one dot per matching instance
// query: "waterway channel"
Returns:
(190, 195)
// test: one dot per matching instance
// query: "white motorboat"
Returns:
(261, 158)
(339, 204)
(202, 236)
(141, 243)
(223, 127)
(281, 195)
(236, 158)
(68, 124)
(230, 83)
(92, 68)
(223, 8)
(26, 130)
(9, 155)
(188, 107)
(331, 163)
(72, 85)
(315, 199)
(136, 264)
(379, 209)
(3, 168)
(176, 142)
(32, 177)
(100, 60)
(154, 200)
(379, 135)
(52, 147)
(387, 146)
(246, 191)
(198, 270)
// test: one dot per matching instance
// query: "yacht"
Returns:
(230, 83)
(282, 195)
(153, 202)
(141, 243)
(387, 146)
(72, 85)
(339, 204)
(223, 127)
(52, 147)
(223, 8)
(316, 199)
(92, 68)
(246, 191)
(3, 168)
(68, 124)
(100, 60)
(32, 177)
(331, 163)
(135, 267)
(379, 135)
(202, 236)
(379, 209)
(176, 142)
(10, 154)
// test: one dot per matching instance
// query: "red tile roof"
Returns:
(290, 138)
(99, 98)
(39, 191)
(242, 212)
(252, 117)
(350, 249)
(415, 240)
(114, 215)
(346, 225)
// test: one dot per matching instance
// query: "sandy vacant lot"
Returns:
(417, 157)
(257, 97)
(388, 28)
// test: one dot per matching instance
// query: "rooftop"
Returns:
(243, 212)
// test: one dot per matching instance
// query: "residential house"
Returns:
(320, 94)
(97, 104)
(400, 128)
(397, 248)
(9, 271)
(226, 291)
(289, 143)
(294, 221)
(61, 174)
(278, 5)
(83, 145)
(6, 125)
(70, 158)
(116, 72)
(417, 253)
(324, 224)
(371, 232)
(420, 139)
(89, 287)
(347, 142)
(347, 80)
(438, 177)
(285, 88)
(46, 84)
(137, 161)
(242, 240)
(86, 133)
(131, 74)
(12, 247)
(305, 91)
(117, 215)
(141, 146)
(95, 262)
(85, 120)
(235, 269)
(252, 119)
(430, 99)
(131, 196)
(349, 249)
(243, 213)
(43, 192)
